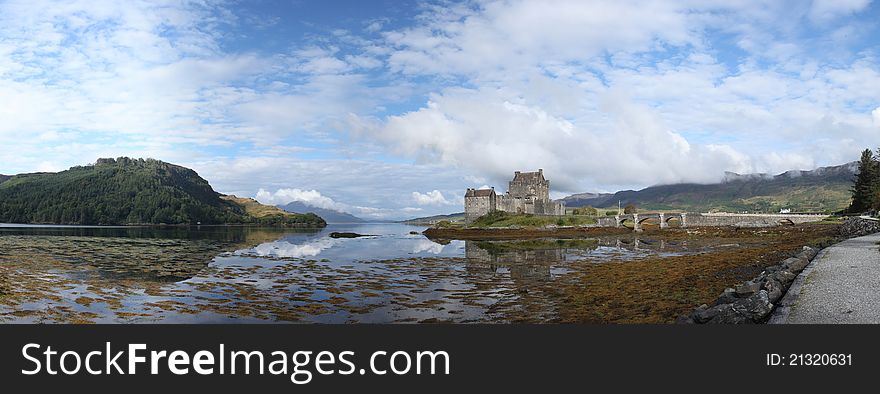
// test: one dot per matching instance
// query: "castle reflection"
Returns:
(537, 259)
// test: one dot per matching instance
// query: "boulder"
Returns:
(745, 311)
(728, 296)
(348, 235)
(748, 288)
(704, 314)
(774, 290)
(684, 320)
(785, 277)
(795, 264)
(809, 253)
(730, 315)
(757, 306)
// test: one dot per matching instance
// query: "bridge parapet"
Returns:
(750, 220)
(708, 219)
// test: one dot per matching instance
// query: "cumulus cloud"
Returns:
(594, 106)
(602, 95)
(309, 197)
(434, 197)
(486, 132)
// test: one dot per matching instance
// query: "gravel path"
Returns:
(841, 285)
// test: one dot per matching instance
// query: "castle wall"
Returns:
(538, 190)
(530, 206)
(529, 194)
(475, 207)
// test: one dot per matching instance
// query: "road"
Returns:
(841, 285)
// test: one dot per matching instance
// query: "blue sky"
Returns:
(390, 109)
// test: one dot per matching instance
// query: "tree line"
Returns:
(866, 186)
(124, 191)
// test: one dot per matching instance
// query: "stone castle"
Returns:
(528, 192)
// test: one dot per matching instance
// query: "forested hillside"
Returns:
(125, 191)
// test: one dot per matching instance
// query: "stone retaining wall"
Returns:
(857, 227)
(753, 301)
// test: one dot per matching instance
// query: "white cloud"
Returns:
(309, 197)
(823, 10)
(601, 94)
(496, 36)
(434, 197)
(635, 99)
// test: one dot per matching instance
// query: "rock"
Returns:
(757, 306)
(747, 289)
(728, 296)
(745, 311)
(785, 277)
(414, 233)
(703, 314)
(347, 235)
(684, 320)
(809, 253)
(795, 264)
(697, 310)
(728, 315)
(774, 290)
(854, 227)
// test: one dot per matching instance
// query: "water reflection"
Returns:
(235, 274)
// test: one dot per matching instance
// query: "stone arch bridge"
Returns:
(709, 219)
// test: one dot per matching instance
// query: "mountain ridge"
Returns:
(329, 215)
(824, 189)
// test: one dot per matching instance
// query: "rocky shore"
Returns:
(753, 301)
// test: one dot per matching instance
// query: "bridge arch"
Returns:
(645, 219)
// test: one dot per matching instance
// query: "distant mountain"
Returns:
(825, 189)
(329, 215)
(585, 199)
(130, 191)
(429, 220)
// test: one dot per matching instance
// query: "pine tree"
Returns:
(865, 184)
(874, 201)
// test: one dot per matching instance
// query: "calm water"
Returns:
(219, 274)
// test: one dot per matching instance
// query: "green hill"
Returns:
(825, 189)
(127, 191)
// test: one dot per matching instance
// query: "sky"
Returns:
(391, 109)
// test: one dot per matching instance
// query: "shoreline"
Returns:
(488, 234)
(161, 225)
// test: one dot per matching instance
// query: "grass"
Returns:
(504, 219)
(255, 209)
(831, 220)
(657, 289)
